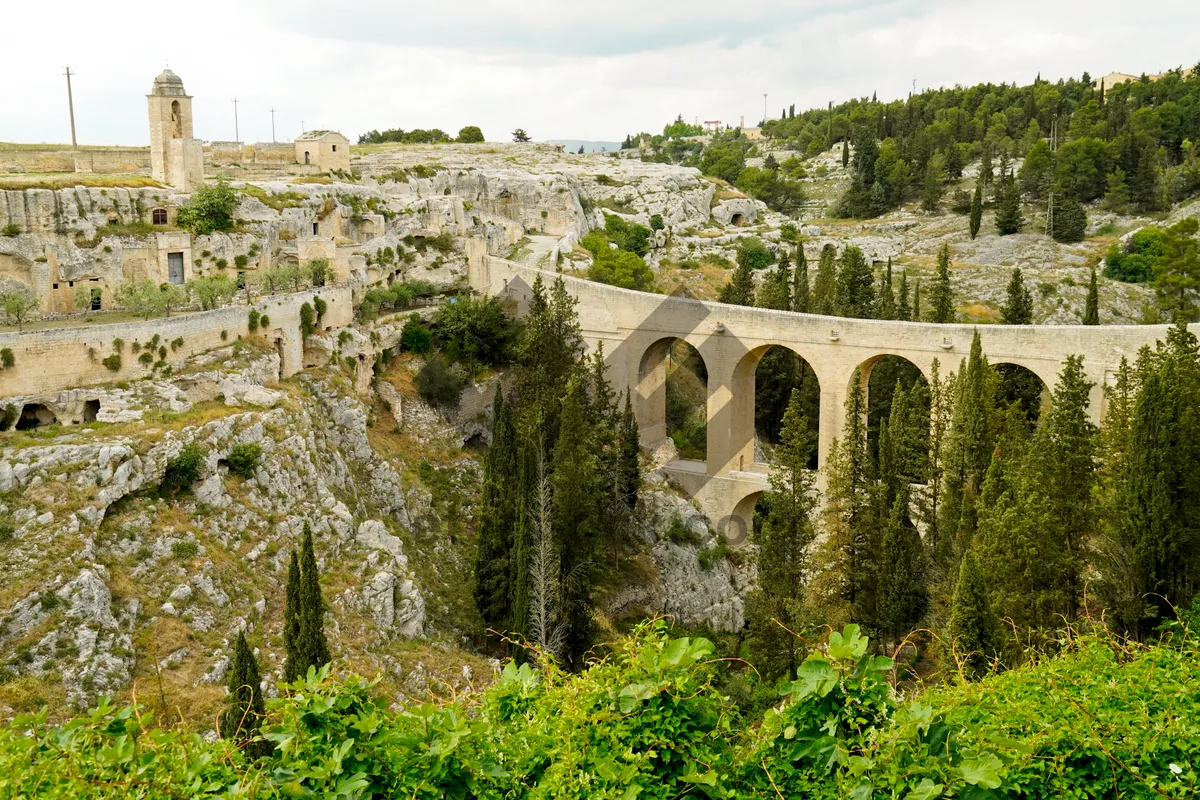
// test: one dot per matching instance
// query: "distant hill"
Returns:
(572, 145)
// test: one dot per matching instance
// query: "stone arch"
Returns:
(650, 391)
(757, 412)
(1020, 383)
(738, 528)
(879, 378)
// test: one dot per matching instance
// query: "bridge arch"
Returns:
(1024, 385)
(654, 367)
(760, 398)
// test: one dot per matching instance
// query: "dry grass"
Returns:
(69, 180)
(978, 312)
(322, 179)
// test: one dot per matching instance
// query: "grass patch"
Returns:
(69, 180)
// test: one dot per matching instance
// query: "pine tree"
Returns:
(497, 523)
(941, 402)
(1009, 219)
(968, 449)
(1147, 181)
(776, 290)
(1091, 311)
(943, 293)
(976, 210)
(972, 638)
(784, 540)
(855, 294)
(576, 519)
(1116, 194)
(311, 644)
(292, 614)
(1070, 221)
(986, 176)
(899, 583)
(903, 311)
(931, 188)
(244, 707)
(800, 291)
(1018, 305)
(740, 289)
(825, 286)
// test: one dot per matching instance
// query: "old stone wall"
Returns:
(52, 360)
(61, 158)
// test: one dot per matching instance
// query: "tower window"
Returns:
(159, 216)
(335, 148)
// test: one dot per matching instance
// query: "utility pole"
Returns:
(302, 130)
(272, 126)
(237, 136)
(764, 108)
(71, 107)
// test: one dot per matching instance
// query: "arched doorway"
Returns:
(672, 395)
(779, 373)
(307, 158)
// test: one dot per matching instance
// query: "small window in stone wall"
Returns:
(159, 216)
(335, 148)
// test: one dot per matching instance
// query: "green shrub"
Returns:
(187, 549)
(240, 261)
(10, 230)
(7, 529)
(252, 321)
(112, 362)
(442, 243)
(1135, 262)
(162, 352)
(118, 345)
(7, 359)
(243, 459)
(415, 338)
(178, 342)
(475, 330)
(182, 471)
(627, 235)
(441, 383)
(264, 322)
(308, 318)
(146, 358)
(209, 209)
(320, 306)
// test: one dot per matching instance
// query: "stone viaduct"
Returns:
(636, 330)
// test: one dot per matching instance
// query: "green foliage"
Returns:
(308, 320)
(185, 549)
(627, 235)
(244, 706)
(211, 291)
(1135, 260)
(1091, 312)
(253, 319)
(182, 471)
(10, 230)
(210, 208)
(415, 337)
(112, 362)
(441, 383)
(17, 302)
(417, 136)
(1018, 305)
(243, 459)
(943, 293)
(7, 359)
(1070, 221)
(680, 129)
(1009, 219)
(474, 330)
(1177, 274)
(470, 134)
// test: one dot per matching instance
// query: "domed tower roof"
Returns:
(168, 83)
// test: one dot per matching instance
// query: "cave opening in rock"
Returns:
(35, 415)
(738, 220)
(91, 409)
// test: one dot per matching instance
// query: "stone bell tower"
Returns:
(175, 157)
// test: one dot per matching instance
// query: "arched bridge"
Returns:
(637, 329)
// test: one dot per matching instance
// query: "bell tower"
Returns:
(175, 157)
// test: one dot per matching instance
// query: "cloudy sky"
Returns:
(558, 69)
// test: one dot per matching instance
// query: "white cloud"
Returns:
(557, 69)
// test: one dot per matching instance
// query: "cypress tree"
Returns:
(902, 308)
(1018, 305)
(916, 305)
(976, 210)
(800, 291)
(887, 296)
(931, 188)
(943, 293)
(784, 540)
(985, 165)
(825, 285)
(845, 152)
(1070, 221)
(855, 293)
(313, 649)
(972, 637)
(968, 450)
(494, 590)
(292, 614)
(576, 522)
(1008, 209)
(740, 289)
(776, 291)
(244, 708)
(1091, 311)
(899, 584)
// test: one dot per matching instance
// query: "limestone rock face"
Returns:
(695, 583)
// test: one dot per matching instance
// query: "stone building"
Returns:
(176, 158)
(327, 150)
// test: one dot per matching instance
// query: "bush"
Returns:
(264, 322)
(441, 383)
(185, 549)
(1135, 262)
(627, 235)
(243, 459)
(442, 243)
(146, 358)
(307, 320)
(252, 321)
(7, 359)
(241, 261)
(474, 330)
(182, 471)
(751, 251)
(321, 307)
(471, 134)
(209, 209)
(10, 230)
(112, 363)
(415, 338)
